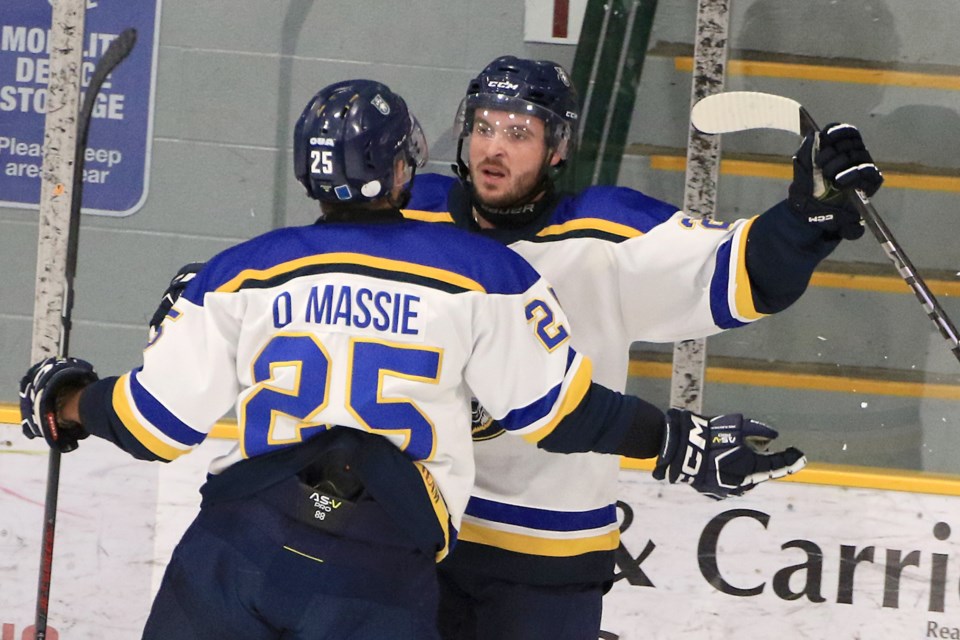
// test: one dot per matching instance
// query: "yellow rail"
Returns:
(809, 382)
(827, 73)
(783, 171)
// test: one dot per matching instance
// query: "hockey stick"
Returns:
(118, 50)
(710, 52)
(745, 110)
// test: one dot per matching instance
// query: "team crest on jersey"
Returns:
(483, 427)
(381, 104)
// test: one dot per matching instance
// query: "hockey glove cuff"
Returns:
(42, 390)
(828, 163)
(721, 456)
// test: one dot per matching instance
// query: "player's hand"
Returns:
(42, 390)
(828, 163)
(179, 282)
(721, 456)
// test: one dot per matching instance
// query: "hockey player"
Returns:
(385, 328)
(535, 551)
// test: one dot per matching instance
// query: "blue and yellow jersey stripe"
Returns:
(589, 227)
(434, 255)
(540, 532)
(736, 310)
(575, 387)
(342, 262)
(147, 420)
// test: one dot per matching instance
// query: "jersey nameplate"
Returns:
(347, 307)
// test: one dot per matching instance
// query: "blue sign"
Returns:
(117, 157)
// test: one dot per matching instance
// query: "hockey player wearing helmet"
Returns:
(519, 118)
(350, 350)
(535, 552)
(356, 143)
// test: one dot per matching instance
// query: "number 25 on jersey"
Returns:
(291, 376)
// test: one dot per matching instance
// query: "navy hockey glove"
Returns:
(41, 389)
(828, 163)
(179, 282)
(723, 455)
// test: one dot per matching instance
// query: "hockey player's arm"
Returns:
(528, 377)
(787, 242)
(608, 422)
(62, 400)
(99, 418)
(782, 253)
(718, 456)
(156, 412)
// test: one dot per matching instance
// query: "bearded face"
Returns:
(507, 155)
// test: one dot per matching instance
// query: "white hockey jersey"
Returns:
(390, 327)
(626, 267)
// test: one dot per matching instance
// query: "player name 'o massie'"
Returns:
(346, 306)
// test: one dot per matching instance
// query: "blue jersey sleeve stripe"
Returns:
(544, 519)
(525, 416)
(145, 433)
(719, 287)
(571, 358)
(160, 417)
(576, 388)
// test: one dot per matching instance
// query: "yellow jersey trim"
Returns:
(387, 264)
(577, 389)
(532, 545)
(439, 507)
(744, 292)
(143, 434)
(427, 216)
(593, 224)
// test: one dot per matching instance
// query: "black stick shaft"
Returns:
(896, 254)
(118, 50)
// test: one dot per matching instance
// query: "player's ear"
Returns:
(558, 154)
(401, 172)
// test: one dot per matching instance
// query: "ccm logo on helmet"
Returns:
(322, 142)
(502, 84)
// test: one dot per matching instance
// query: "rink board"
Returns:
(775, 563)
(781, 562)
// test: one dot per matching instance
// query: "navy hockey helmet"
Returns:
(539, 88)
(348, 138)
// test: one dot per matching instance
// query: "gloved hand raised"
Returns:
(723, 455)
(42, 391)
(827, 163)
(179, 282)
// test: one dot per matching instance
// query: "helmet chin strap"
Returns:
(524, 209)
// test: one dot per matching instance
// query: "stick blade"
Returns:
(744, 110)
